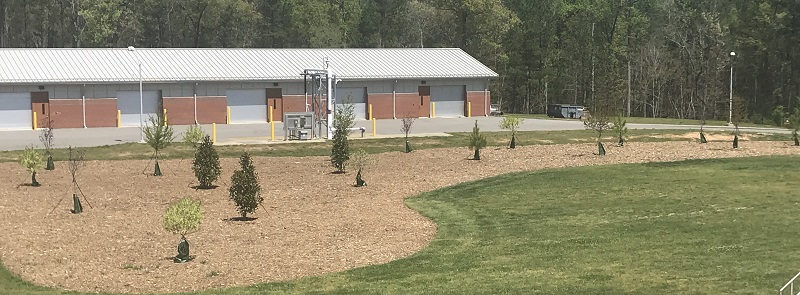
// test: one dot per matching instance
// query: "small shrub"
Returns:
(206, 163)
(598, 122)
(194, 135)
(182, 218)
(245, 191)
(46, 138)
(512, 124)
(476, 141)
(31, 159)
(343, 121)
(361, 160)
(159, 136)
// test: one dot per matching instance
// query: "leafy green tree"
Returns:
(476, 141)
(245, 191)
(183, 218)
(159, 136)
(193, 135)
(343, 121)
(206, 163)
(512, 124)
(31, 159)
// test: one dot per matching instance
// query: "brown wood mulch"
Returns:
(314, 222)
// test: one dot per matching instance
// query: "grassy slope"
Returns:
(183, 151)
(662, 228)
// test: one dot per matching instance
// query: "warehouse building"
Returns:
(80, 88)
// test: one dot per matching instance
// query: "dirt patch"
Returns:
(315, 222)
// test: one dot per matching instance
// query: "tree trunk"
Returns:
(477, 155)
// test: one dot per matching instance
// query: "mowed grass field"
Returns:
(723, 226)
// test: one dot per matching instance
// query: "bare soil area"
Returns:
(314, 222)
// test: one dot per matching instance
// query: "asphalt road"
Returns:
(259, 132)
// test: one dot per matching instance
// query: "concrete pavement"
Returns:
(258, 133)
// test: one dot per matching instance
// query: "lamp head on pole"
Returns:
(733, 54)
(131, 48)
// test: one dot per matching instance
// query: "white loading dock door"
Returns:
(130, 107)
(15, 111)
(355, 95)
(247, 105)
(449, 100)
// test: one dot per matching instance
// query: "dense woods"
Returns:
(655, 58)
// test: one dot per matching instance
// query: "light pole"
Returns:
(141, 97)
(730, 98)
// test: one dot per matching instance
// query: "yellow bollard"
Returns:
(271, 125)
(373, 126)
(34, 121)
(228, 116)
(469, 109)
(370, 112)
(214, 133)
(119, 118)
(165, 117)
(433, 110)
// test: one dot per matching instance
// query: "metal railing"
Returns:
(790, 284)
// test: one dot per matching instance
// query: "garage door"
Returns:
(129, 106)
(247, 105)
(15, 111)
(449, 100)
(355, 95)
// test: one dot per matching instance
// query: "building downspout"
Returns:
(83, 103)
(195, 103)
(394, 100)
(486, 99)
(329, 78)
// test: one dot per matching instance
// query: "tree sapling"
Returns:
(408, 121)
(361, 160)
(512, 124)
(343, 121)
(183, 218)
(159, 136)
(245, 191)
(620, 129)
(31, 159)
(476, 141)
(206, 163)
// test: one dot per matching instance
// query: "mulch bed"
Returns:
(314, 222)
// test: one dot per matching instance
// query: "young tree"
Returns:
(361, 160)
(408, 121)
(512, 124)
(794, 124)
(245, 191)
(598, 122)
(739, 114)
(46, 137)
(476, 141)
(31, 159)
(206, 163)
(75, 163)
(159, 136)
(620, 129)
(183, 218)
(343, 121)
(193, 135)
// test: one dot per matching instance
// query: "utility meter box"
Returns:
(298, 125)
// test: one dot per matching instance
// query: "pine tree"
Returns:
(245, 191)
(206, 163)
(476, 141)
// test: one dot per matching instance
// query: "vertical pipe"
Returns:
(214, 133)
(486, 102)
(329, 77)
(141, 105)
(228, 116)
(370, 112)
(83, 103)
(730, 99)
(119, 118)
(469, 109)
(271, 124)
(433, 110)
(165, 117)
(34, 121)
(394, 100)
(374, 131)
(195, 103)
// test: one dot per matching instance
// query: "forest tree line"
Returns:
(654, 58)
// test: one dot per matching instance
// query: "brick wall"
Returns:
(68, 113)
(478, 101)
(210, 109)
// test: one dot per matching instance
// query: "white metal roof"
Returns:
(62, 65)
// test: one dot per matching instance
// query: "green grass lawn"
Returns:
(380, 145)
(722, 226)
(644, 120)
